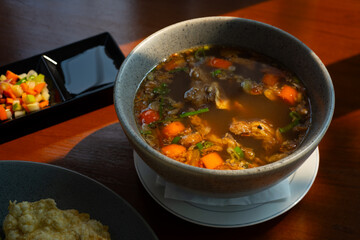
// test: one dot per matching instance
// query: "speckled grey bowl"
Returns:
(251, 34)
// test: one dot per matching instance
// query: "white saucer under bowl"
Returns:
(231, 216)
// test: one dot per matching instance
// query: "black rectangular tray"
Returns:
(80, 78)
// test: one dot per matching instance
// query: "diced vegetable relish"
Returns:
(22, 94)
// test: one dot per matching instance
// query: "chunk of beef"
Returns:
(261, 130)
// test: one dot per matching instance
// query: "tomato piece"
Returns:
(149, 116)
(219, 63)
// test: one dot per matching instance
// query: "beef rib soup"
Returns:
(220, 107)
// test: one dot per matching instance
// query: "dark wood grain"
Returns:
(95, 145)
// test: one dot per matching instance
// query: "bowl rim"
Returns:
(300, 152)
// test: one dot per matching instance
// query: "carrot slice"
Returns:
(9, 92)
(289, 94)
(3, 115)
(9, 100)
(43, 104)
(10, 75)
(23, 97)
(39, 87)
(25, 107)
(270, 79)
(24, 86)
(173, 129)
(31, 92)
(212, 160)
(174, 151)
(219, 63)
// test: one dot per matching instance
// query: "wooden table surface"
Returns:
(94, 144)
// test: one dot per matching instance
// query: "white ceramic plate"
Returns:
(31, 181)
(231, 216)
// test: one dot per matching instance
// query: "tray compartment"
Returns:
(66, 104)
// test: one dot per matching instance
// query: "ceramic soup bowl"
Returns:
(257, 36)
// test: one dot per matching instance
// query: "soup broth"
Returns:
(222, 108)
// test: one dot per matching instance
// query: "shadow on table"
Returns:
(345, 75)
(107, 157)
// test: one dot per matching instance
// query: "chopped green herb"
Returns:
(178, 70)
(295, 121)
(162, 90)
(200, 53)
(207, 144)
(153, 124)
(16, 107)
(176, 139)
(216, 72)
(199, 146)
(239, 152)
(20, 81)
(289, 126)
(294, 115)
(187, 114)
(204, 145)
(146, 132)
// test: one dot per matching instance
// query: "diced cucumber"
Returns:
(16, 106)
(18, 114)
(39, 78)
(22, 76)
(38, 97)
(31, 84)
(8, 113)
(31, 74)
(45, 95)
(29, 99)
(17, 90)
(33, 106)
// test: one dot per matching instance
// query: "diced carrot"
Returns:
(9, 92)
(39, 87)
(24, 86)
(219, 63)
(149, 116)
(8, 107)
(174, 151)
(31, 92)
(212, 160)
(43, 104)
(10, 75)
(270, 79)
(289, 94)
(25, 107)
(23, 97)
(9, 100)
(173, 129)
(3, 115)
